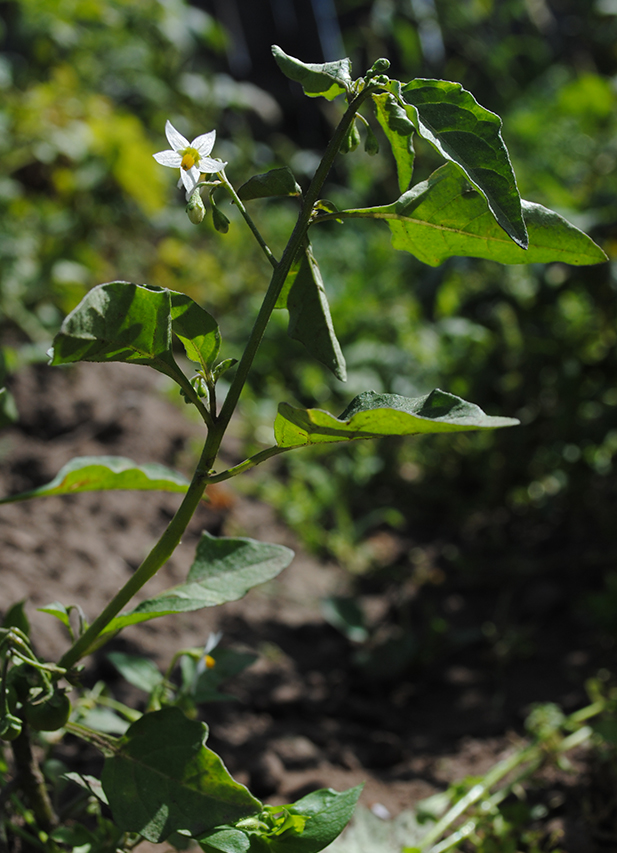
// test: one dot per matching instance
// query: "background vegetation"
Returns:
(86, 89)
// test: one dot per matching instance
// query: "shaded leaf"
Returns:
(106, 473)
(327, 79)
(310, 321)
(461, 130)
(372, 415)
(277, 182)
(137, 670)
(15, 617)
(444, 217)
(399, 133)
(8, 408)
(224, 570)
(163, 779)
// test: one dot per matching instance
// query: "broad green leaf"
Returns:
(224, 570)
(277, 182)
(198, 330)
(399, 133)
(106, 473)
(226, 841)
(372, 415)
(327, 79)
(444, 217)
(15, 617)
(8, 409)
(119, 321)
(328, 812)
(137, 670)
(163, 779)
(310, 321)
(461, 130)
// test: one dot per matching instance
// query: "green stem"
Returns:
(32, 782)
(248, 219)
(159, 555)
(281, 271)
(249, 463)
(170, 539)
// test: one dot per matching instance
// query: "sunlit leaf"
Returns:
(310, 321)
(328, 812)
(277, 182)
(327, 79)
(163, 779)
(399, 133)
(372, 415)
(444, 217)
(106, 473)
(198, 330)
(461, 130)
(224, 570)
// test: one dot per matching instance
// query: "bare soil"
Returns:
(307, 715)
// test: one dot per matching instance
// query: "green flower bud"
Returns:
(371, 145)
(221, 223)
(351, 140)
(195, 208)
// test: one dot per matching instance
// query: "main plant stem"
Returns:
(170, 539)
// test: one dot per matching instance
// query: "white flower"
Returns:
(190, 157)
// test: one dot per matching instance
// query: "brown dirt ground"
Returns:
(306, 717)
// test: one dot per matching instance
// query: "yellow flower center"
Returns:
(190, 158)
(210, 662)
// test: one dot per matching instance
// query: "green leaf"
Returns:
(224, 570)
(164, 779)
(327, 79)
(60, 611)
(8, 408)
(328, 812)
(197, 330)
(15, 617)
(399, 133)
(106, 473)
(310, 321)
(276, 182)
(445, 216)
(137, 670)
(227, 664)
(372, 415)
(461, 130)
(226, 841)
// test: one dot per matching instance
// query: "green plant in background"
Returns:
(159, 777)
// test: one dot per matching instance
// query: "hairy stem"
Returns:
(248, 219)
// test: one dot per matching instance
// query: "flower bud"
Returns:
(371, 145)
(351, 140)
(221, 223)
(195, 208)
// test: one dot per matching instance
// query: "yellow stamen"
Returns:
(210, 662)
(188, 161)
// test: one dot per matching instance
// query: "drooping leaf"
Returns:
(106, 473)
(276, 182)
(399, 133)
(444, 217)
(372, 415)
(8, 408)
(327, 79)
(310, 321)
(164, 779)
(119, 321)
(224, 570)
(138, 670)
(451, 119)
(198, 330)
(328, 812)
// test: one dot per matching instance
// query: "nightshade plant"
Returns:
(159, 776)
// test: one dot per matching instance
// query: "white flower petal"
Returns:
(168, 158)
(204, 143)
(190, 177)
(208, 165)
(175, 139)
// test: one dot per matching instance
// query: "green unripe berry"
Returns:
(10, 727)
(49, 715)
